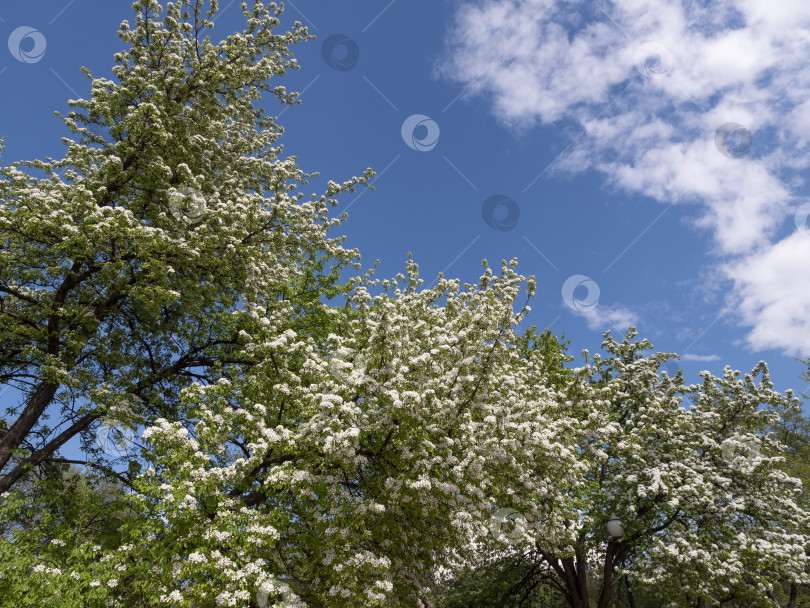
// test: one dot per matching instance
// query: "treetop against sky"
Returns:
(643, 161)
(311, 435)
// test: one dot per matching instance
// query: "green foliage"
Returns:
(120, 282)
(298, 453)
(514, 581)
(52, 526)
(709, 514)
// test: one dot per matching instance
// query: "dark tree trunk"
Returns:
(44, 453)
(794, 594)
(574, 577)
(39, 401)
(608, 574)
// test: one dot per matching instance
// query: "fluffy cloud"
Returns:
(651, 82)
(772, 288)
(615, 318)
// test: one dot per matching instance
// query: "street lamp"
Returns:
(616, 530)
(615, 527)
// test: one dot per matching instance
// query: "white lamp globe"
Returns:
(614, 527)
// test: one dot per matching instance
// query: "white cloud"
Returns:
(773, 288)
(691, 357)
(651, 117)
(601, 318)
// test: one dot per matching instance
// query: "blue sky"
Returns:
(655, 151)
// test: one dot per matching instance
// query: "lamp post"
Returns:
(616, 530)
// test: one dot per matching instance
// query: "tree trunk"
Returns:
(608, 574)
(576, 581)
(794, 594)
(42, 454)
(39, 401)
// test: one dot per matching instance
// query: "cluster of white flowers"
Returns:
(174, 596)
(367, 470)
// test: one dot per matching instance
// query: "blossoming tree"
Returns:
(300, 454)
(122, 269)
(709, 516)
(317, 480)
(120, 280)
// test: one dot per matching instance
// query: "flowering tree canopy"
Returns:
(709, 516)
(168, 274)
(121, 270)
